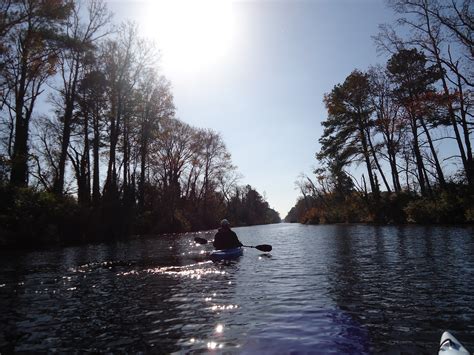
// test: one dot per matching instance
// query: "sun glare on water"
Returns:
(192, 34)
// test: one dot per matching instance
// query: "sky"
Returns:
(256, 72)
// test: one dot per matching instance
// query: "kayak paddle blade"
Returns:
(264, 247)
(200, 240)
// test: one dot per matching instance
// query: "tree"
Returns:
(347, 128)
(443, 30)
(248, 207)
(82, 37)
(124, 61)
(154, 105)
(30, 55)
(170, 153)
(413, 79)
(92, 104)
(387, 121)
(216, 160)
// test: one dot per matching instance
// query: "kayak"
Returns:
(226, 254)
(449, 345)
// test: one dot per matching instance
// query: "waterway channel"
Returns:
(351, 289)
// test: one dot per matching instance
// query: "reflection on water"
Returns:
(324, 289)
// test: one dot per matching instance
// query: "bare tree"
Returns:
(388, 121)
(30, 54)
(124, 60)
(154, 104)
(443, 30)
(83, 36)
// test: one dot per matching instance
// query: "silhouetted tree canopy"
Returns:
(396, 120)
(109, 157)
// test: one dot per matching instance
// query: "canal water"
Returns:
(342, 289)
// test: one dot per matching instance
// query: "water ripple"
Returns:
(323, 289)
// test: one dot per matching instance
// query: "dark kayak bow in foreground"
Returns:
(262, 247)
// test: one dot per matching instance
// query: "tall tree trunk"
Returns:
(407, 170)
(452, 116)
(373, 185)
(111, 181)
(394, 171)
(86, 164)
(466, 133)
(427, 180)
(392, 158)
(418, 157)
(439, 171)
(69, 99)
(387, 134)
(143, 156)
(372, 149)
(19, 172)
(125, 152)
(95, 155)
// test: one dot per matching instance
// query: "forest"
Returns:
(397, 140)
(90, 145)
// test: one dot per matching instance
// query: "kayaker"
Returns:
(226, 238)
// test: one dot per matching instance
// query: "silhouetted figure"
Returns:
(225, 238)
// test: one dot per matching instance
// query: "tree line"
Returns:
(406, 127)
(107, 156)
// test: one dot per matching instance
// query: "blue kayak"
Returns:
(226, 254)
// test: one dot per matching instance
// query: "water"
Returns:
(323, 289)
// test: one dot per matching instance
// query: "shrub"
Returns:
(312, 216)
(31, 218)
(446, 207)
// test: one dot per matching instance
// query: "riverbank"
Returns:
(31, 218)
(452, 205)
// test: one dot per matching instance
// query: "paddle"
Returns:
(262, 247)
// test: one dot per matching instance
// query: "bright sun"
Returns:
(192, 34)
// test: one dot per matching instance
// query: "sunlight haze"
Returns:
(193, 35)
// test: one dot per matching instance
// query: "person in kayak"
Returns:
(226, 238)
